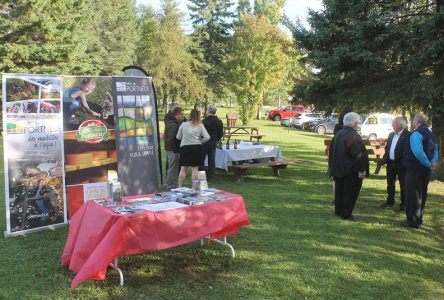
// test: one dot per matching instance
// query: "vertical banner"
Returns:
(33, 158)
(90, 148)
(136, 135)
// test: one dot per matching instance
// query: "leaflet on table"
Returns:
(161, 206)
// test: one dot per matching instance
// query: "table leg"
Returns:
(222, 242)
(116, 267)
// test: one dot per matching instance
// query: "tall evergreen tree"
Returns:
(163, 53)
(212, 23)
(43, 36)
(114, 26)
(378, 54)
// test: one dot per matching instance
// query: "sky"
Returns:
(293, 9)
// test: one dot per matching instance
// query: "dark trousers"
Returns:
(346, 193)
(210, 152)
(416, 184)
(395, 170)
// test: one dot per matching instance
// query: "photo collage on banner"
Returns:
(138, 162)
(33, 146)
(90, 147)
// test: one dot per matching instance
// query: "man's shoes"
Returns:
(387, 204)
(409, 224)
(351, 218)
(401, 207)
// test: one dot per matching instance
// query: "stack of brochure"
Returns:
(176, 198)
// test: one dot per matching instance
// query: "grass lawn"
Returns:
(295, 248)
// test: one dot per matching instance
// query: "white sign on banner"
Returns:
(33, 158)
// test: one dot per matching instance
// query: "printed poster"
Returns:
(33, 158)
(90, 147)
(136, 135)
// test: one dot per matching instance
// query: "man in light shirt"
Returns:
(394, 150)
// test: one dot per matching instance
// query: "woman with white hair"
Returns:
(348, 165)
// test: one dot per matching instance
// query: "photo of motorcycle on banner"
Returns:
(90, 148)
(33, 158)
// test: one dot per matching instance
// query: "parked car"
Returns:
(377, 126)
(285, 112)
(311, 125)
(326, 126)
(286, 122)
(302, 118)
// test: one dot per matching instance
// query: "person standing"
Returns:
(215, 128)
(192, 135)
(420, 158)
(172, 147)
(394, 150)
(348, 165)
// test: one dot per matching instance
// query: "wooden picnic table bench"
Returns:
(241, 168)
(375, 150)
(250, 132)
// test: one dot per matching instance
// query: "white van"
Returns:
(377, 126)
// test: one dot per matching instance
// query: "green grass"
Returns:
(295, 247)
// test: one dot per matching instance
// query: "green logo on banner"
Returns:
(92, 131)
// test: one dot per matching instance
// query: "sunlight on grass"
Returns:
(295, 248)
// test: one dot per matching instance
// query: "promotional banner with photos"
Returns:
(33, 152)
(90, 147)
(136, 135)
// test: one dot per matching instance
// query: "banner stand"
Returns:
(24, 233)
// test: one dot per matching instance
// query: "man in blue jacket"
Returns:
(420, 158)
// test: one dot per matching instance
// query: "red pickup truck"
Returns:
(280, 113)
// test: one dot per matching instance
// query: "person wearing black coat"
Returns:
(215, 128)
(394, 150)
(348, 165)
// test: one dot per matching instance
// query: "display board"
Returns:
(33, 153)
(59, 131)
(136, 135)
(90, 146)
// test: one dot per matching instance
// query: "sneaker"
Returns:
(386, 204)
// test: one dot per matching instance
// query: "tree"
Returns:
(44, 36)
(272, 9)
(114, 25)
(377, 55)
(257, 60)
(211, 24)
(162, 51)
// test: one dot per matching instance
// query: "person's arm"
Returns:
(180, 132)
(357, 150)
(205, 135)
(82, 95)
(220, 130)
(418, 150)
(435, 157)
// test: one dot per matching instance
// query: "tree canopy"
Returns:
(376, 55)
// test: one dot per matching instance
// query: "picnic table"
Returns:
(248, 155)
(250, 132)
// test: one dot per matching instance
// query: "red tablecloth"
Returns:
(97, 235)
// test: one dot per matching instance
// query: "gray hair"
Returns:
(211, 109)
(351, 119)
(173, 105)
(421, 119)
(401, 122)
